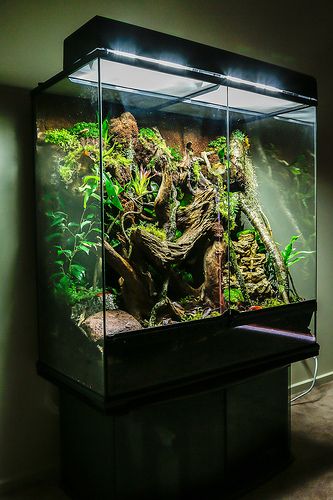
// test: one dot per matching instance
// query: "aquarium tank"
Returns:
(168, 194)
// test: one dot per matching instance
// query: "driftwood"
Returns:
(135, 287)
(150, 268)
(249, 205)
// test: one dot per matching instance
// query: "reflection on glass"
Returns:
(69, 232)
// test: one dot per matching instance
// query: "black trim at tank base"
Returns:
(234, 372)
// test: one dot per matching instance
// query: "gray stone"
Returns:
(116, 321)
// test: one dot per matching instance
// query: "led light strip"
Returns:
(160, 62)
(232, 79)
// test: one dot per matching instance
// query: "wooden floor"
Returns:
(309, 477)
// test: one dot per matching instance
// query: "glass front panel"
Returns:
(166, 199)
(69, 232)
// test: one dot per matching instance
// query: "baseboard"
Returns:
(20, 481)
(304, 384)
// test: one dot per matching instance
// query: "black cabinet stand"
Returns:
(213, 444)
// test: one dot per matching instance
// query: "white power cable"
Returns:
(312, 383)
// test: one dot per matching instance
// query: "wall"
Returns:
(28, 413)
(288, 33)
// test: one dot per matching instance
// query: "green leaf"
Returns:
(77, 271)
(84, 249)
(58, 221)
(68, 253)
(85, 223)
(59, 262)
(111, 192)
(65, 281)
(85, 199)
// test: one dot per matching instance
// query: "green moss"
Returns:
(228, 206)
(176, 154)
(199, 314)
(196, 171)
(246, 231)
(233, 295)
(153, 229)
(219, 145)
(147, 133)
(62, 138)
(66, 173)
(73, 295)
(273, 302)
(150, 135)
(85, 129)
(188, 299)
(239, 135)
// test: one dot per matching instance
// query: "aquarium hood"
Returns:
(149, 49)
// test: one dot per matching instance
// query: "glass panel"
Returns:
(272, 190)
(164, 185)
(69, 232)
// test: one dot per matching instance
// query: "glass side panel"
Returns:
(69, 232)
(272, 211)
(165, 197)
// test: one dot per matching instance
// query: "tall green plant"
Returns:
(78, 238)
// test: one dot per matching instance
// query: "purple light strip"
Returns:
(277, 331)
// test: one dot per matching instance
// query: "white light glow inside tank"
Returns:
(134, 77)
(128, 77)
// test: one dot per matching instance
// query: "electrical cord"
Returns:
(312, 383)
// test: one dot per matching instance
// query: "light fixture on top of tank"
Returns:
(123, 76)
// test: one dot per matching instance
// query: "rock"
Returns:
(116, 321)
(124, 129)
(87, 307)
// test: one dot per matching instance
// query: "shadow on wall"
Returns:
(28, 411)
